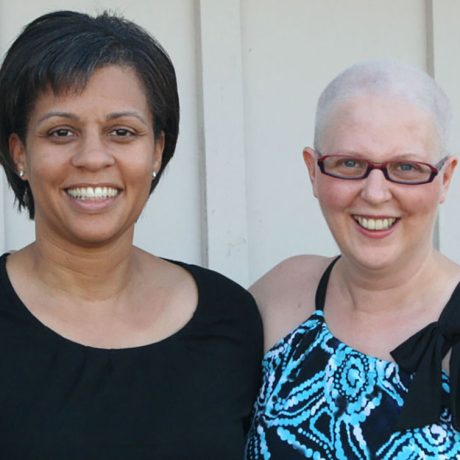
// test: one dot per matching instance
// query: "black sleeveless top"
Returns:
(188, 396)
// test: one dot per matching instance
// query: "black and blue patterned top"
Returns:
(321, 399)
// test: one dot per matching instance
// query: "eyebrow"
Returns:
(127, 113)
(110, 116)
(58, 114)
(402, 156)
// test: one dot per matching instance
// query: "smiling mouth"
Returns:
(92, 193)
(370, 223)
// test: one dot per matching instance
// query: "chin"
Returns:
(373, 259)
(93, 238)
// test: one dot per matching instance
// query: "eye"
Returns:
(345, 167)
(350, 163)
(407, 167)
(61, 132)
(122, 132)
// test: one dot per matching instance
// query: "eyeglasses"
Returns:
(398, 171)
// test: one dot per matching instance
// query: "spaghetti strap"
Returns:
(320, 295)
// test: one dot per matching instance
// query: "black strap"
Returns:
(320, 295)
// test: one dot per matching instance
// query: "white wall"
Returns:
(236, 197)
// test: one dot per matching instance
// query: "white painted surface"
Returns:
(446, 37)
(236, 196)
(225, 160)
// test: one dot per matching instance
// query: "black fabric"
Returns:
(422, 354)
(186, 397)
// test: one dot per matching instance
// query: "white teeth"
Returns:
(375, 224)
(92, 193)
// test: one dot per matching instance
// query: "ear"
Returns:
(310, 157)
(447, 174)
(18, 154)
(158, 151)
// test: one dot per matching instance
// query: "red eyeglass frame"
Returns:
(383, 167)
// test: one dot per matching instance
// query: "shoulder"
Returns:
(286, 294)
(230, 307)
(295, 278)
(223, 295)
(213, 283)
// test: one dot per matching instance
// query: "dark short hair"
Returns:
(61, 51)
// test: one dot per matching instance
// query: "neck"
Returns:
(89, 273)
(388, 289)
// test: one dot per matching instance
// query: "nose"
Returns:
(376, 189)
(92, 153)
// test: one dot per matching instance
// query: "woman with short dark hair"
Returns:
(106, 351)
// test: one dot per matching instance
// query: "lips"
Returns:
(92, 193)
(375, 223)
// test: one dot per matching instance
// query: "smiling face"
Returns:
(376, 222)
(89, 158)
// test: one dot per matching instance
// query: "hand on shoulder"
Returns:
(286, 294)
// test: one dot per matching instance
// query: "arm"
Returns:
(285, 295)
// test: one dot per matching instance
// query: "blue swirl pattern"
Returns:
(321, 399)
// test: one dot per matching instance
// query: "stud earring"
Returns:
(21, 173)
(154, 174)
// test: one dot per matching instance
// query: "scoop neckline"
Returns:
(11, 292)
(319, 313)
(349, 347)
(321, 318)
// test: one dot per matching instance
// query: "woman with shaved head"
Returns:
(362, 350)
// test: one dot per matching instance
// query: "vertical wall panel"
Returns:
(223, 115)
(446, 67)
